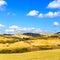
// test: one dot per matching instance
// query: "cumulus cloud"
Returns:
(30, 30)
(14, 27)
(56, 24)
(44, 15)
(3, 4)
(49, 14)
(33, 13)
(53, 14)
(41, 15)
(9, 31)
(18, 29)
(54, 4)
(1, 26)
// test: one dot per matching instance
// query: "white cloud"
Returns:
(33, 13)
(14, 27)
(56, 24)
(30, 30)
(49, 14)
(54, 4)
(44, 15)
(18, 29)
(23, 30)
(9, 31)
(1, 26)
(41, 15)
(3, 4)
(53, 14)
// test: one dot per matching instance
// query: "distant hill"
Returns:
(8, 34)
(57, 33)
(32, 34)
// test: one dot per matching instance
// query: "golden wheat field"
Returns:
(37, 55)
(23, 47)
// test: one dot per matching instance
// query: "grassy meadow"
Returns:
(37, 55)
(30, 47)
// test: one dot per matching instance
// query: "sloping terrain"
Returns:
(19, 43)
(37, 55)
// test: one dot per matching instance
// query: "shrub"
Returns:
(5, 51)
(23, 50)
(14, 50)
(47, 47)
(19, 50)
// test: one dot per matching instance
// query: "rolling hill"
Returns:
(27, 42)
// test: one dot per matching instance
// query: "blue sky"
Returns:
(29, 16)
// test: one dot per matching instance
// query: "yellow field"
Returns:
(37, 55)
(23, 43)
(17, 44)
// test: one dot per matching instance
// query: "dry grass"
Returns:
(33, 44)
(39, 55)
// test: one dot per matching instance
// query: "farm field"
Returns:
(36, 55)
